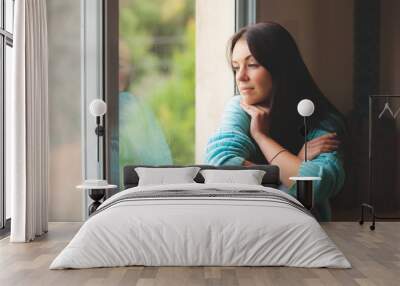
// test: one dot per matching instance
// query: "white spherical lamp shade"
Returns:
(97, 107)
(305, 107)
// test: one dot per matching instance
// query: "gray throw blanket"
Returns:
(206, 193)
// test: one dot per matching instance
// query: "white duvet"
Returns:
(200, 231)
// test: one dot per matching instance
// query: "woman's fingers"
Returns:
(327, 148)
(263, 108)
(259, 119)
(322, 139)
(316, 150)
(328, 136)
(325, 138)
(247, 163)
(254, 109)
(249, 109)
(325, 142)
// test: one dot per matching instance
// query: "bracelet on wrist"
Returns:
(276, 155)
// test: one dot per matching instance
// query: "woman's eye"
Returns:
(235, 68)
(253, 65)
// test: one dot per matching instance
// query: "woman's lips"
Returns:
(246, 90)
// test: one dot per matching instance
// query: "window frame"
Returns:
(99, 74)
(111, 89)
(245, 13)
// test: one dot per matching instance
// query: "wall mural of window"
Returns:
(156, 82)
(348, 60)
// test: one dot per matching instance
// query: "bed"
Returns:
(201, 224)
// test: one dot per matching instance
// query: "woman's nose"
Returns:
(241, 75)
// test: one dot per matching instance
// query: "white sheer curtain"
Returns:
(28, 123)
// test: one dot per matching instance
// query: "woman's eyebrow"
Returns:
(246, 58)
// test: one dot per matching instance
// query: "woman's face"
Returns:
(253, 80)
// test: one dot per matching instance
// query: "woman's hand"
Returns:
(322, 144)
(259, 119)
(247, 163)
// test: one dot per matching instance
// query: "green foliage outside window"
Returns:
(160, 37)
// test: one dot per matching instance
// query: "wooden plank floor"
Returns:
(375, 257)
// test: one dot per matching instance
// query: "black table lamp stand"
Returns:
(304, 192)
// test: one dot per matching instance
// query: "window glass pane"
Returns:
(64, 110)
(156, 82)
(8, 69)
(9, 9)
(1, 14)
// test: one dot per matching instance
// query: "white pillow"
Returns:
(162, 176)
(248, 177)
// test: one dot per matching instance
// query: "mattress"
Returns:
(201, 225)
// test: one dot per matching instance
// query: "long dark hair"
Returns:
(275, 49)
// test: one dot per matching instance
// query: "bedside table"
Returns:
(304, 190)
(96, 193)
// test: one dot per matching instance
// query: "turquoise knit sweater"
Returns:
(232, 144)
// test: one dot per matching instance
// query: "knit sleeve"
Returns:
(329, 167)
(231, 144)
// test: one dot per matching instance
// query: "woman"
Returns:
(262, 125)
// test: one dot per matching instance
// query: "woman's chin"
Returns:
(255, 100)
(251, 100)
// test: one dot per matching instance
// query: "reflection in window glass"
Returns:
(9, 9)
(156, 82)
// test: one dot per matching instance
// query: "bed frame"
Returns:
(270, 179)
